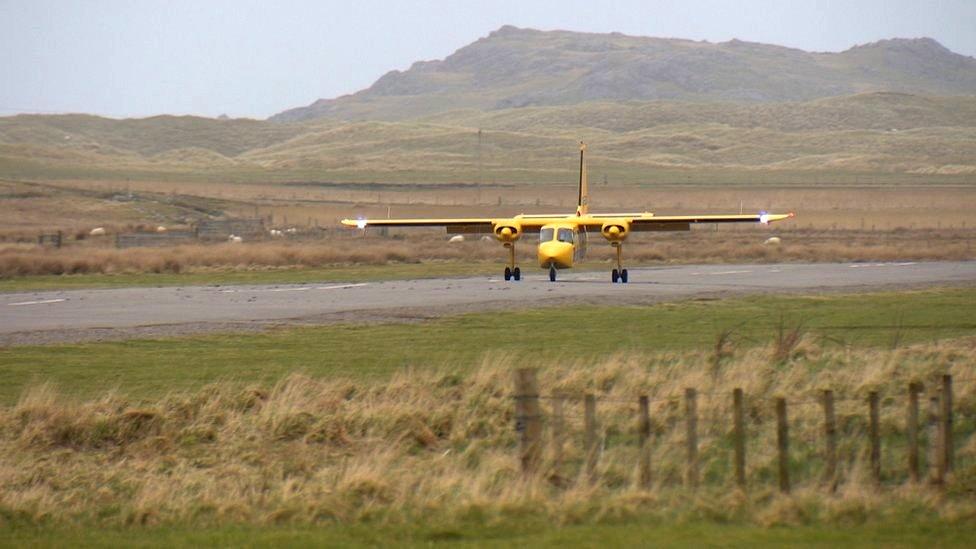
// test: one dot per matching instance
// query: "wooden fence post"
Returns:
(830, 439)
(911, 428)
(947, 442)
(528, 419)
(874, 434)
(557, 436)
(936, 455)
(691, 418)
(644, 434)
(783, 445)
(739, 437)
(590, 439)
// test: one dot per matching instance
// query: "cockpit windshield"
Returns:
(545, 235)
(565, 235)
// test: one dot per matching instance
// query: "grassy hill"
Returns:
(514, 67)
(630, 142)
(144, 136)
(510, 107)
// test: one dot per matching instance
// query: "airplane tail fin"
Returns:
(583, 204)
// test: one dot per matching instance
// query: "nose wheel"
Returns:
(619, 274)
(512, 272)
(552, 273)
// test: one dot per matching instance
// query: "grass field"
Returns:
(641, 531)
(857, 204)
(333, 273)
(144, 368)
(401, 433)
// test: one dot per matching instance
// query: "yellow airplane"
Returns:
(562, 238)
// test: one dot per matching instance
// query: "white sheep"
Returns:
(456, 238)
(772, 241)
(160, 229)
(97, 231)
(234, 239)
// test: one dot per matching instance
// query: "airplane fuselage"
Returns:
(563, 238)
(561, 245)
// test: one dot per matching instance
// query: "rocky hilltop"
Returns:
(512, 68)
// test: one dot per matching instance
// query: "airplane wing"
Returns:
(455, 225)
(637, 221)
(761, 217)
(651, 222)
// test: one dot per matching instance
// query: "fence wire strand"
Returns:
(618, 431)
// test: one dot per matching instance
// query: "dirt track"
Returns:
(85, 315)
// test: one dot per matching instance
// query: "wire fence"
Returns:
(730, 436)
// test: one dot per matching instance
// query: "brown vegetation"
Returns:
(834, 224)
(696, 247)
(441, 444)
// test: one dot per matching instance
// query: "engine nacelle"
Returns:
(615, 231)
(508, 231)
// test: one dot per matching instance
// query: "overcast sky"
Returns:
(256, 58)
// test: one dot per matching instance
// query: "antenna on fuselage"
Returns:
(583, 203)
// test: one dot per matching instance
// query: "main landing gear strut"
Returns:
(619, 274)
(512, 271)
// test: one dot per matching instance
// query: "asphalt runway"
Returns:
(79, 315)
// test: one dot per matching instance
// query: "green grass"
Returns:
(146, 368)
(911, 533)
(339, 273)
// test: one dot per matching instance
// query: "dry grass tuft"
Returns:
(787, 340)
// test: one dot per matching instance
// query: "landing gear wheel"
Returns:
(517, 274)
(623, 276)
(614, 276)
(552, 274)
(508, 273)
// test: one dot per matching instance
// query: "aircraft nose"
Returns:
(549, 250)
(554, 252)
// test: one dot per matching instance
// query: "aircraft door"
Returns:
(579, 244)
